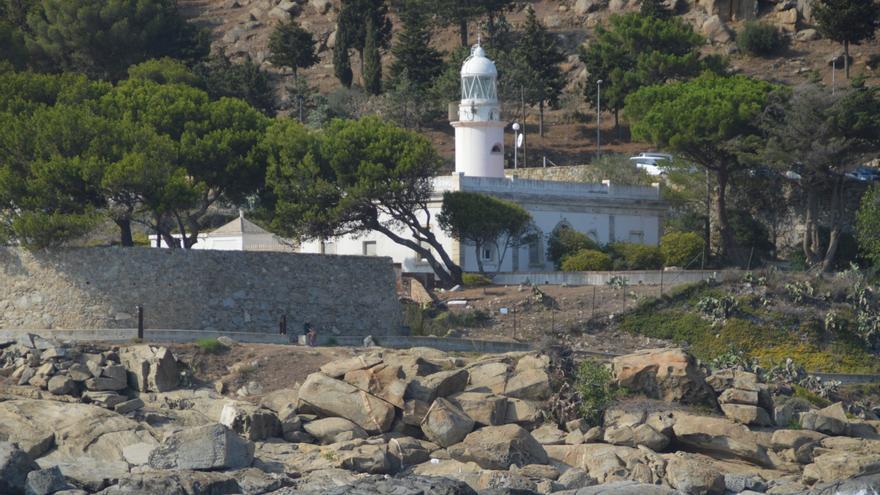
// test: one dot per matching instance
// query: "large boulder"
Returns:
(691, 474)
(747, 415)
(794, 439)
(627, 488)
(46, 482)
(499, 447)
(384, 381)
(719, 435)
(203, 448)
(485, 409)
(668, 374)
(333, 430)
(836, 466)
(442, 384)
(332, 397)
(250, 422)
(445, 423)
(488, 377)
(15, 464)
(150, 369)
(176, 483)
(338, 369)
(529, 384)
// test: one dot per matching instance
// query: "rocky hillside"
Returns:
(133, 420)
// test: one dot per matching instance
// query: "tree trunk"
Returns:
(837, 205)
(721, 207)
(478, 248)
(617, 123)
(541, 118)
(846, 58)
(707, 225)
(811, 237)
(125, 237)
(463, 31)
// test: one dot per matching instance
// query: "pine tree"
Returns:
(372, 62)
(539, 51)
(656, 8)
(341, 60)
(352, 25)
(413, 52)
(292, 46)
(847, 22)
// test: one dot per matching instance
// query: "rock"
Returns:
(107, 400)
(580, 425)
(445, 424)
(739, 483)
(407, 451)
(522, 412)
(540, 471)
(413, 484)
(79, 372)
(485, 409)
(747, 415)
(737, 396)
(175, 483)
(575, 478)
(794, 439)
(719, 435)
(488, 378)
(366, 458)
(806, 35)
(627, 488)
(574, 438)
(150, 369)
(321, 6)
(594, 434)
(667, 374)
(383, 381)
(15, 464)
(692, 475)
(250, 422)
(337, 369)
(835, 466)
(103, 384)
(137, 454)
(582, 7)
(46, 482)
(128, 406)
(787, 20)
(337, 398)
(858, 485)
(529, 384)
(548, 434)
(333, 430)
(634, 436)
(61, 385)
(814, 420)
(715, 30)
(414, 412)
(204, 447)
(442, 384)
(281, 399)
(499, 447)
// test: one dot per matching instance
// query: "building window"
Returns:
(369, 248)
(496, 148)
(636, 237)
(487, 253)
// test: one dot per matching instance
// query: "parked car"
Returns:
(651, 161)
(865, 174)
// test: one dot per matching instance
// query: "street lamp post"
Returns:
(598, 117)
(515, 143)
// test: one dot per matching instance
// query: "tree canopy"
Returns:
(292, 46)
(847, 22)
(868, 225)
(481, 220)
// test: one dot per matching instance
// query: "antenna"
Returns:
(479, 39)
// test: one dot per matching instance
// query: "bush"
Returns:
(760, 39)
(868, 225)
(681, 248)
(586, 260)
(211, 346)
(475, 280)
(597, 390)
(636, 256)
(565, 241)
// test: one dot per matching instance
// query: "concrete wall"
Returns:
(224, 291)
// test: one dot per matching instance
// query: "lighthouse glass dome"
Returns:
(478, 76)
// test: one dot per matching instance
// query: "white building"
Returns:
(238, 235)
(606, 212)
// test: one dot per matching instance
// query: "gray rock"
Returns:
(823, 424)
(738, 483)
(107, 400)
(409, 485)
(46, 482)
(150, 369)
(333, 430)
(442, 384)
(250, 422)
(575, 478)
(530, 384)
(548, 434)
(15, 464)
(499, 447)
(331, 397)
(627, 488)
(79, 372)
(61, 385)
(485, 409)
(176, 483)
(128, 406)
(204, 447)
(445, 424)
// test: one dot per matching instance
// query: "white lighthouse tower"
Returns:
(479, 132)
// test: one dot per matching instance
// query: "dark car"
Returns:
(865, 174)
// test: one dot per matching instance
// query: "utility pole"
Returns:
(598, 117)
(522, 103)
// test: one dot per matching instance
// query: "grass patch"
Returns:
(211, 346)
(435, 322)
(803, 393)
(475, 280)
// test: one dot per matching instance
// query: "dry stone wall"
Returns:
(196, 290)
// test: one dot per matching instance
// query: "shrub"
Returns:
(681, 248)
(868, 225)
(475, 280)
(760, 39)
(636, 256)
(211, 346)
(597, 390)
(586, 260)
(565, 241)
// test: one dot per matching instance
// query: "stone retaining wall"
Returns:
(226, 291)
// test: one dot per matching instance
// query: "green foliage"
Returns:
(635, 51)
(618, 169)
(539, 51)
(847, 21)
(717, 308)
(681, 248)
(656, 9)
(565, 241)
(805, 394)
(292, 46)
(211, 346)
(760, 39)
(372, 70)
(245, 81)
(800, 291)
(37, 230)
(163, 71)
(103, 39)
(586, 260)
(480, 219)
(342, 61)
(868, 225)
(475, 280)
(597, 390)
(434, 322)
(414, 58)
(636, 256)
